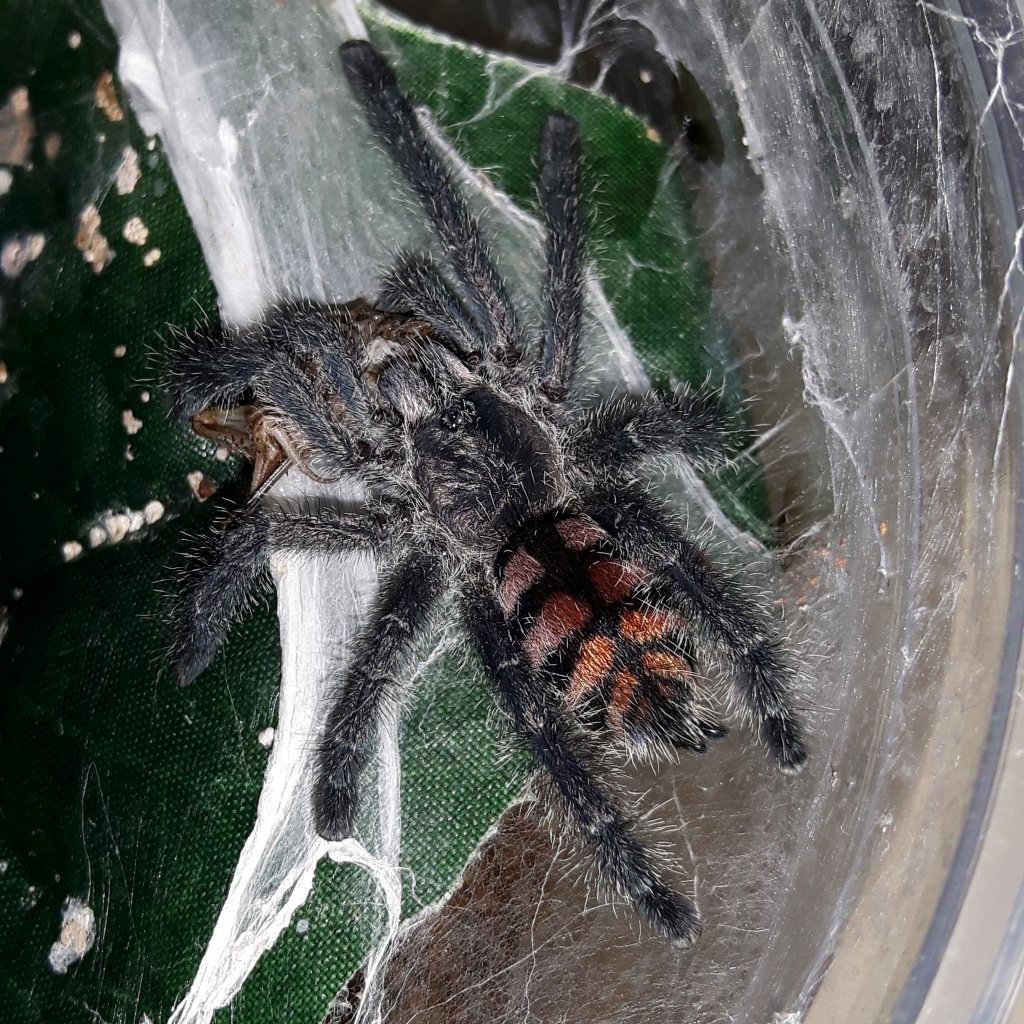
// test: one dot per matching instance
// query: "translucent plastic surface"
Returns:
(862, 227)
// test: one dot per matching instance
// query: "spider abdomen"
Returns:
(617, 662)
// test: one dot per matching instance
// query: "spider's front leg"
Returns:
(228, 568)
(212, 365)
(612, 439)
(685, 580)
(407, 596)
(208, 365)
(622, 860)
(560, 188)
(392, 117)
(416, 286)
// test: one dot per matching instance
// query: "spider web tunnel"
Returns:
(860, 208)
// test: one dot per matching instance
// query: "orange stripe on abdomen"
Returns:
(597, 654)
(621, 697)
(664, 663)
(521, 572)
(559, 616)
(578, 533)
(614, 580)
(642, 625)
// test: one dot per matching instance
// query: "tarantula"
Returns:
(587, 607)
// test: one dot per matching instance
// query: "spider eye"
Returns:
(459, 414)
(454, 417)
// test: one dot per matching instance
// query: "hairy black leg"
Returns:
(563, 293)
(326, 331)
(331, 532)
(223, 573)
(227, 568)
(381, 652)
(290, 384)
(615, 437)
(685, 580)
(414, 286)
(622, 860)
(392, 117)
(210, 365)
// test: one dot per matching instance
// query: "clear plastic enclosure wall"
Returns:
(861, 220)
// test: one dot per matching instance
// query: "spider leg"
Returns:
(227, 569)
(303, 363)
(385, 647)
(224, 572)
(713, 605)
(563, 293)
(210, 365)
(621, 858)
(414, 286)
(307, 405)
(393, 119)
(326, 331)
(616, 436)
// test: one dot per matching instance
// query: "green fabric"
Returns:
(115, 786)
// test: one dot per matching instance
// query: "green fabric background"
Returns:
(115, 786)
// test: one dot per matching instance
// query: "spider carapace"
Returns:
(589, 608)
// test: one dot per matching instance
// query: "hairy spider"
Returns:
(587, 606)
